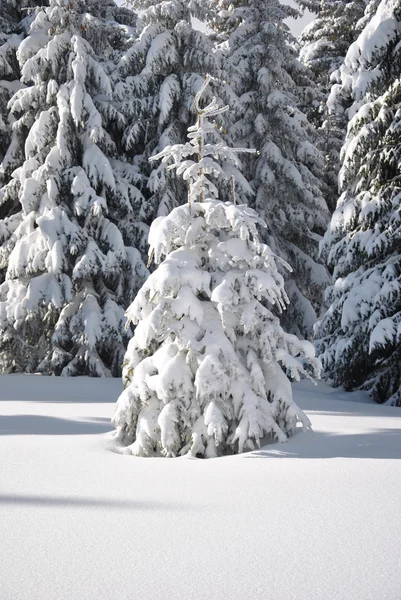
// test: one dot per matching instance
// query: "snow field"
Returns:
(316, 518)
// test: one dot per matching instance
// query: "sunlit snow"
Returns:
(316, 518)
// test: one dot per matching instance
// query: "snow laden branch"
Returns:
(206, 373)
(202, 145)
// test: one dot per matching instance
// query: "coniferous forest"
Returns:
(202, 207)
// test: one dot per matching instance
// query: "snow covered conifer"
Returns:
(9, 72)
(361, 331)
(8, 68)
(325, 41)
(286, 174)
(13, 24)
(70, 252)
(205, 370)
(324, 44)
(160, 75)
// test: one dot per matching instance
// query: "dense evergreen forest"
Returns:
(96, 102)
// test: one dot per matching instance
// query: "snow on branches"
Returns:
(360, 333)
(205, 145)
(70, 252)
(265, 87)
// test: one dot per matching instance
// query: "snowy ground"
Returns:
(318, 518)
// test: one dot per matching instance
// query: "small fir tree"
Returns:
(205, 370)
(360, 334)
(71, 251)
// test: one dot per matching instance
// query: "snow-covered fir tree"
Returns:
(10, 25)
(323, 46)
(286, 175)
(361, 331)
(325, 41)
(160, 75)
(70, 252)
(205, 370)
(14, 19)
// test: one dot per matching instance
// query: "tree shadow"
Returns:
(38, 388)
(323, 399)
(43, 425)
(380, 444)
(85, 502)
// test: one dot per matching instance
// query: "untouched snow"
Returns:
(317, 518)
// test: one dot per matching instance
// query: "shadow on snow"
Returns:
(77, 502)
(37, 388)
(43, 425)
(381, 444)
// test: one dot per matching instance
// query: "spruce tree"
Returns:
(10, 27)
(70, 252)
(361, 333)
(202, 371)
(160, 75)
(14, 19)
(323, 46)
(325, 41)
(264, 77)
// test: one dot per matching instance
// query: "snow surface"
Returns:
(316, 518)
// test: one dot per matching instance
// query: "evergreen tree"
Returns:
(265, 80)
(70, 252)
(360, 333)
(202, 371)
(14, 20)
(325, 41)
(323, 46)
(160, 75)
(10, 25)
